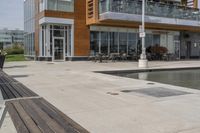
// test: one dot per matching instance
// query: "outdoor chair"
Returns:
(91, 57)
(114, 56)
(134, 56)
(100, 57)
(123, 56)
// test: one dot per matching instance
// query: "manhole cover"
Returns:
(150, 83)
(112, 93)
(50, 63)
(158, 92)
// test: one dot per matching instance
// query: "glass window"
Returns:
(148, 40)
(58, 33)
(104, 42)
(132, 43)
(156, 39)
(94, 42)
(66, 5)
(122, 42)
(114, 42)
(61, 5)
(52, 4)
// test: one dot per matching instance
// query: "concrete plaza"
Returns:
(86, 97)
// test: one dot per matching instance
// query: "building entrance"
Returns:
(58, 49)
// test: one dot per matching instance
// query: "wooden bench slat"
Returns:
(56, 116)
(7, 91)
(20, 90)
(38, 120)
(1, 81)
(26, 118)
(14, 92)
(26, 90)
(19, 125)
(5, 96)
(62, 117)
(50, 122)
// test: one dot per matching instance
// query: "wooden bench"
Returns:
(31, 113)
(4, 78)
(39, 116)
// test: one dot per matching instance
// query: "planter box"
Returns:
(2, 60)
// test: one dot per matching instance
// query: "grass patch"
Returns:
(17, 57)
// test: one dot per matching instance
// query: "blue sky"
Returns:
(11, 14)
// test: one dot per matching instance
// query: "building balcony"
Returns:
(155, 12)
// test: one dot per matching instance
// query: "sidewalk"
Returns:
(87, 98)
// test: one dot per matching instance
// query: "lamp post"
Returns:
(143, 62)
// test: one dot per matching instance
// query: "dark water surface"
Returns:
(184, 78)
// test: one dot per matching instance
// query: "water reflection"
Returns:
(143, 76)
(184, 78)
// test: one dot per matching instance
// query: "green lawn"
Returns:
(17, 57)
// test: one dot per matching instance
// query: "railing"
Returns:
(157, 9)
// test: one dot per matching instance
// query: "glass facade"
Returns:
(108, 42)
(29, 48)
(112, 42)
(29, 27)
(159, 9)
(57, 5)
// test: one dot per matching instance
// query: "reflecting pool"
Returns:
(184, 78)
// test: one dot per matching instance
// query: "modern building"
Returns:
(9, 37)
(75, 29)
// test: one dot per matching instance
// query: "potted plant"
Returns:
(2, 58)
(159, 51)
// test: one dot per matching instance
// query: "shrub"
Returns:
(158, 49)
(15, 49)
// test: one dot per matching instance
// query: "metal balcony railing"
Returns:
(157, 9)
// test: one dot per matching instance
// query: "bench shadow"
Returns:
(17, 66)
(19, 76)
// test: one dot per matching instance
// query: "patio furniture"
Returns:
(100, 57)
(114, 56)
(39, 116)
(134, 56)
(123, 56)
(92, 56)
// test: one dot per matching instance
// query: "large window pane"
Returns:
(114, 42)
(58, 33)
(104, 42)
(61, 5)
(132, 42)
(148, 40)
(66, 5)
(94, 43)
(122, 42)
(156, 39)
(52, 4)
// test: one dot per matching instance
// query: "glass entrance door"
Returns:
(58, 49)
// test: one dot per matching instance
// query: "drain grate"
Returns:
(150, 83)
(158, 92)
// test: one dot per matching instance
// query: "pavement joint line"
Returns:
(23, 98)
